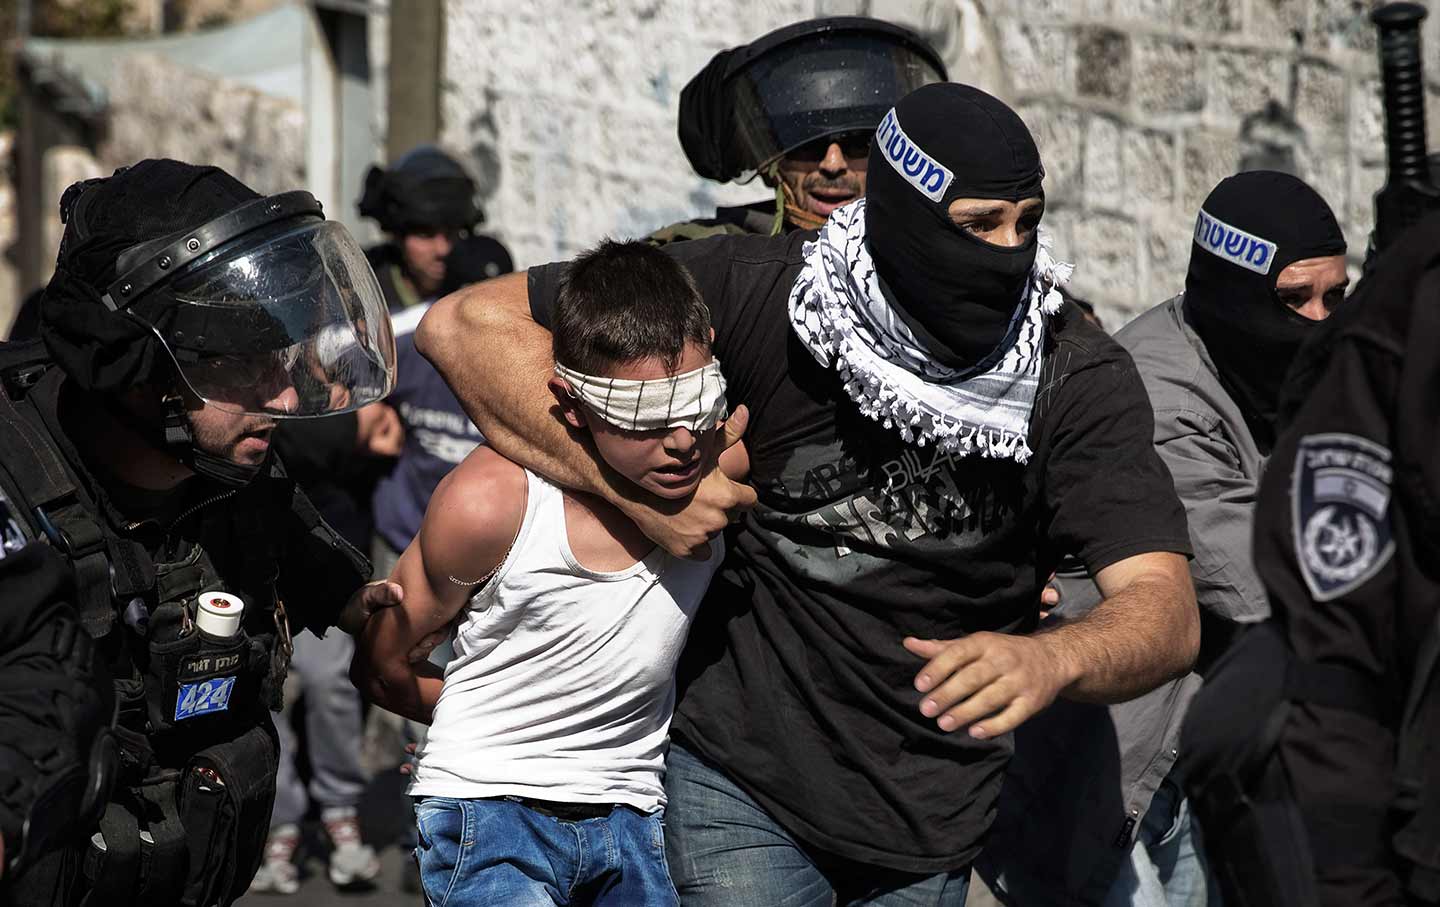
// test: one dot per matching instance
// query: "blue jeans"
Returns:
(480, 852)
(1164, 868)
(1167, 866)
(725, 851)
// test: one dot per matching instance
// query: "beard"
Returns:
(244, 440)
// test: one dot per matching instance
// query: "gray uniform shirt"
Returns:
(1083, 775)
(1203, 439)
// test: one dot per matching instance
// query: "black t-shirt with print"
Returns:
(795, 681)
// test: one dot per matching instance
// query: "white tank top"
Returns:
(563, 680)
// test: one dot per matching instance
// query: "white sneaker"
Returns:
(278, 874)
(352, 863)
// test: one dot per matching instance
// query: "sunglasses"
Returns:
(854, 145)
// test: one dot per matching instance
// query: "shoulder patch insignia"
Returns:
(1341, 501)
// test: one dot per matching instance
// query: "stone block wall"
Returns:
(1139, 107)
(569, 120)
(163, 109)
(9, 234)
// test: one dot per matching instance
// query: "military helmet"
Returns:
(258, 304)
(424, 189)
(818, 79)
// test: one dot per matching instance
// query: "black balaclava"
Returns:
(1250, 228)
(105, 352)
(956, 292)
(424, 189)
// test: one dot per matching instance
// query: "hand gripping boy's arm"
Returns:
(497, 359)
(471, 522)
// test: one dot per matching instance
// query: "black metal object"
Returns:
(1408, 193)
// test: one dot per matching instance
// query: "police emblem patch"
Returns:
(1341, 501)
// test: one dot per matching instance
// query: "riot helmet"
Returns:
(424, 189)
(170, 272)
(271, 310)
(824, 78)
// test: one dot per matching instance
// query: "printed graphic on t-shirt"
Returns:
(908, 497)
(442, 433)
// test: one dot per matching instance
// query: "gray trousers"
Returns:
(319, 671)
(387, 733)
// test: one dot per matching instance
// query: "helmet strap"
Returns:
(180, 443)
(785, 206)
(778, 224)
(178, 436)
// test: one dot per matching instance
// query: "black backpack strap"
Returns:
(56, 507)
(1333, 686)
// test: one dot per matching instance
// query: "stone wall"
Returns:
(163, 109)
(569, 121)
(1139, 107)
(9, 235)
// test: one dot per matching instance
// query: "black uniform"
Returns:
(262, 541)
(56, 705)
(173, 283)
(1347, 542)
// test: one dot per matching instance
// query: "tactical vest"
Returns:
(758, 219)
(189, 812)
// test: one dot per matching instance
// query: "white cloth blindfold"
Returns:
(694, 400)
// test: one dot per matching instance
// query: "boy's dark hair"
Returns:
(624, 301)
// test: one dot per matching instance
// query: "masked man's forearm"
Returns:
(1145, 632)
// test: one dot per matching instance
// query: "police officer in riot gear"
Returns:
(186, 318)
(426, 202)
(796, 107)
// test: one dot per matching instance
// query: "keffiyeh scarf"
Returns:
(839, 313)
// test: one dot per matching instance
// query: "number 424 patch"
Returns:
(203, 697)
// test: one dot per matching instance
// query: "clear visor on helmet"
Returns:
(838, 84)
(287, 322)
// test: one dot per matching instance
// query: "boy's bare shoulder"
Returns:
(476, 511)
